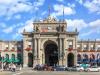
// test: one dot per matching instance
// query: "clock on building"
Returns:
(49, 28)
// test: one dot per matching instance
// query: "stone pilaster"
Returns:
(60, 51)
(75, 55)
(38, 50)
(35, 51)
(25, 55)
(64, 57)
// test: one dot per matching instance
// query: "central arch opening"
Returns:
(70, 60)
(51, 53)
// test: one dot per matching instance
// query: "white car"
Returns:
(76, 68)
(79, 68)
(90, 69)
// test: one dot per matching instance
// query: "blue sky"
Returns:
(17, 15)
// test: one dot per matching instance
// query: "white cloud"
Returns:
(93, 27)
(80, 24)
(16, 36)
(91, 5)
(87, 33)
(8, 30)
(38, 3)
(76, 23)
(2, 25)
(60, 0)
(44, 13)
(10, 7)
(59, 10)
(17, 16)
(28, 26)
(95, 24)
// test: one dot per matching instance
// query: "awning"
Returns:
(16, 60)
(10, 60)
(4, 60)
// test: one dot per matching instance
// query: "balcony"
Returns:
(28, 49)
(13, 49)
(70, 49)
(86, 49)
(79, 50)
(92, 50)
(98, 50)
(5, 50)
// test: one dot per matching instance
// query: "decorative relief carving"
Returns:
(50, 19)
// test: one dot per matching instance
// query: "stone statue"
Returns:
(62, 28)
(37, 29)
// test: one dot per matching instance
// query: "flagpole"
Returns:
(63, 13)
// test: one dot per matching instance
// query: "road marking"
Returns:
(18, 73)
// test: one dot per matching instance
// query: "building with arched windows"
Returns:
(50, 43)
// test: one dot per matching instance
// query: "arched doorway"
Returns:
(19, 57)
(30, 59)
(92, 59)
(79, 59)
(70, 60)
(98, 59)
(85, 59)
(13, 56)
(51, 53)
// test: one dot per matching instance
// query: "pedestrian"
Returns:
(14, 67)
(20, 67)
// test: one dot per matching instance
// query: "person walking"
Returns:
(14, 67)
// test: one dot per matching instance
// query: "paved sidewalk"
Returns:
(4, 72)
(10, 72)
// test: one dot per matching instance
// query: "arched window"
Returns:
(13, 56)
(7, 56)
(85, 56)
(92, 56)
(98, 56)
(79, 57)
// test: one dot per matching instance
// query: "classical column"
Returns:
(88, 45)
(60, 51)
(38, 50)
(25, 54)
(64, 54)
(75, 55)
(35, 51)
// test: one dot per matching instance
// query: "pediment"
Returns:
(50, 20)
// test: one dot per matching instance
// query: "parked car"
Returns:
(93, 68)
(75, 68)
(38, 67)
(59, 68)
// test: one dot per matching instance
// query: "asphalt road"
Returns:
(30, 72)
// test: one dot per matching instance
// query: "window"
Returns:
(85, 47)
(70, 44)
(7, 56)
(92, 47)
(6, 45)
(13, 56)
(98, 47)
(78, 47)
(70, 35)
